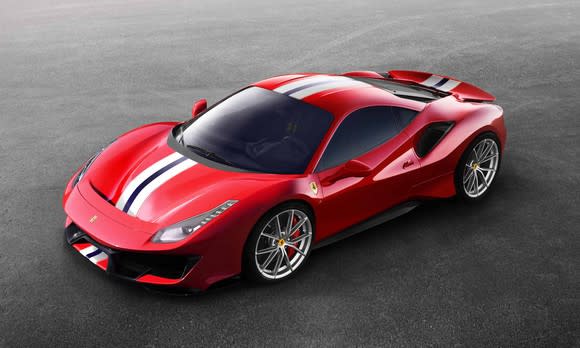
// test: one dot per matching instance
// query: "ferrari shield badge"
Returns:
(314, 187)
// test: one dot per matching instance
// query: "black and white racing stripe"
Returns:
(93, 253)
(314, 84)
(137, 191)
(441, 83)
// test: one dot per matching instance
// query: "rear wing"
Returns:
(461, 90)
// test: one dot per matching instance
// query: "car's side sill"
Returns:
(383, 217)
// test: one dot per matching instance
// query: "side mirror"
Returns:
(351, 169)
(198, 107)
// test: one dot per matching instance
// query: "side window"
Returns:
(362, 131)
(406, 116)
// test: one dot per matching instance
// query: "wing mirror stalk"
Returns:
(351, 169)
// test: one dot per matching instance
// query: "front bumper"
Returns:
(145, 268)
(194, 264)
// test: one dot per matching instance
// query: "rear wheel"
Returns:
(279, 244)
(478, 167)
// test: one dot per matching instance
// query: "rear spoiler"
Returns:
(461, 90)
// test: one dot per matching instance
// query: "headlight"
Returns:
(183, 229)
(88, 164)
(85, 168)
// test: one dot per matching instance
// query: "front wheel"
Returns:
(279, 244)
(478, 167)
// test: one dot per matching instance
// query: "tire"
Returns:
(271, 256)
(474, 176)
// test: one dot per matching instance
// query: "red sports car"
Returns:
(251, 185)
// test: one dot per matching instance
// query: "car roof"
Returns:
(338, 94)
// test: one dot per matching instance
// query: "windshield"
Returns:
(258, 130)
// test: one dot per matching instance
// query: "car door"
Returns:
(372, 136)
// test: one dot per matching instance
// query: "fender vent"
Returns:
(431, 136)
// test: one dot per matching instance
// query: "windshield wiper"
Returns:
(209, 155)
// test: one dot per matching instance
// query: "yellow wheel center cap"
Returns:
(474, 166)
(281, 242)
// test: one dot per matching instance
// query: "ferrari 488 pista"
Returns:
(252, 184)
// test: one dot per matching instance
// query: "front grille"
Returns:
(134, 265)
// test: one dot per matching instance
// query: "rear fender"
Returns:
(443, 158)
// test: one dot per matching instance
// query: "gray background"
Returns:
(74, 74)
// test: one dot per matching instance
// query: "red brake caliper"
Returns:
(295, 234)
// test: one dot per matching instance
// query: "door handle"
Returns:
(408, 163)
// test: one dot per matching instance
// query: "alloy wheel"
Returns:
(480, 168)
(283, 244)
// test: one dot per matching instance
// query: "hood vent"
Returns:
(103, 196)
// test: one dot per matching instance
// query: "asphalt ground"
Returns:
(505, 272)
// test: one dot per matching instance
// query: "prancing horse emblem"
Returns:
(313, 187)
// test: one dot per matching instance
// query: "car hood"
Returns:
(143, 176)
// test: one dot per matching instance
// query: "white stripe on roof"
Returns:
(303, 93)
(308, 80)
